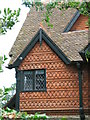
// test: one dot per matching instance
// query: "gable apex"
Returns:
(40, 35)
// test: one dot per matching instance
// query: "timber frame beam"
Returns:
(81, 110)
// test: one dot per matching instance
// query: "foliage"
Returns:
(83, 7)
(63, 118)
(12, 114)
(2, 61)
(8, 19)
(87, 55)
(7, 93)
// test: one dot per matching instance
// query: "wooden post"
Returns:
(82, 116)
(17, 90)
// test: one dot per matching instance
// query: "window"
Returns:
(35, 80)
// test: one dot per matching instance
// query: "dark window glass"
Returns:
(34, 80)
(39, 80)
(28, 80)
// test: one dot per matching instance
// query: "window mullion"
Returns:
(45, 79)
(34, 74)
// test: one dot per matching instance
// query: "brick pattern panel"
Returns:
(51, 94)
(61, 81)
(63, 84)
(48, 104)
(80, 24)
(61, 75)
(85, 85)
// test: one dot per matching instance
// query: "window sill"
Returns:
(34, 90)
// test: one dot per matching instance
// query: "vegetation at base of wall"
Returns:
(12, 114)
(8, 19)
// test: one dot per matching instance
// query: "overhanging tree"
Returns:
(8, 19)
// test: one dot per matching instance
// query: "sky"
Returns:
(7, 77)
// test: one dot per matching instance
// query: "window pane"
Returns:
(40, 80)
(28, 80)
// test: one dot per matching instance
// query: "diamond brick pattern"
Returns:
(52, 94)
(61, 81)
(39, 60)
(61, 74)
(38, 57)
(39, 48)
(48, 65)
(47, 104)
(59, 84)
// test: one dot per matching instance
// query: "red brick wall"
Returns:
(85, 87)
(61, 81)
(80, 24)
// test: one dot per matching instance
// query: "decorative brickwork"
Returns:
(81, 23)
(86, 88)
(61, 81)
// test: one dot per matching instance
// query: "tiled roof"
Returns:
(70, 43)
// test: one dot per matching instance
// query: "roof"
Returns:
(40, 36)
(70, 43)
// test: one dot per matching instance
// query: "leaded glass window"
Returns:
(35, 80)
(28, 80)
(40, 80)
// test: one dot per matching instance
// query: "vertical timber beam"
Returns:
(17, 89)
(40, 39)
(82, 116)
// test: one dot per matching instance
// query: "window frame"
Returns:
(34, 75)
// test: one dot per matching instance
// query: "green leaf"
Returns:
(18, 12)
(9, 17)
(9, 110)
(9, 11)
(63, 118)
(5, 11)
(8, 20)
(1, 92)
(5, 58)
(7, 89)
